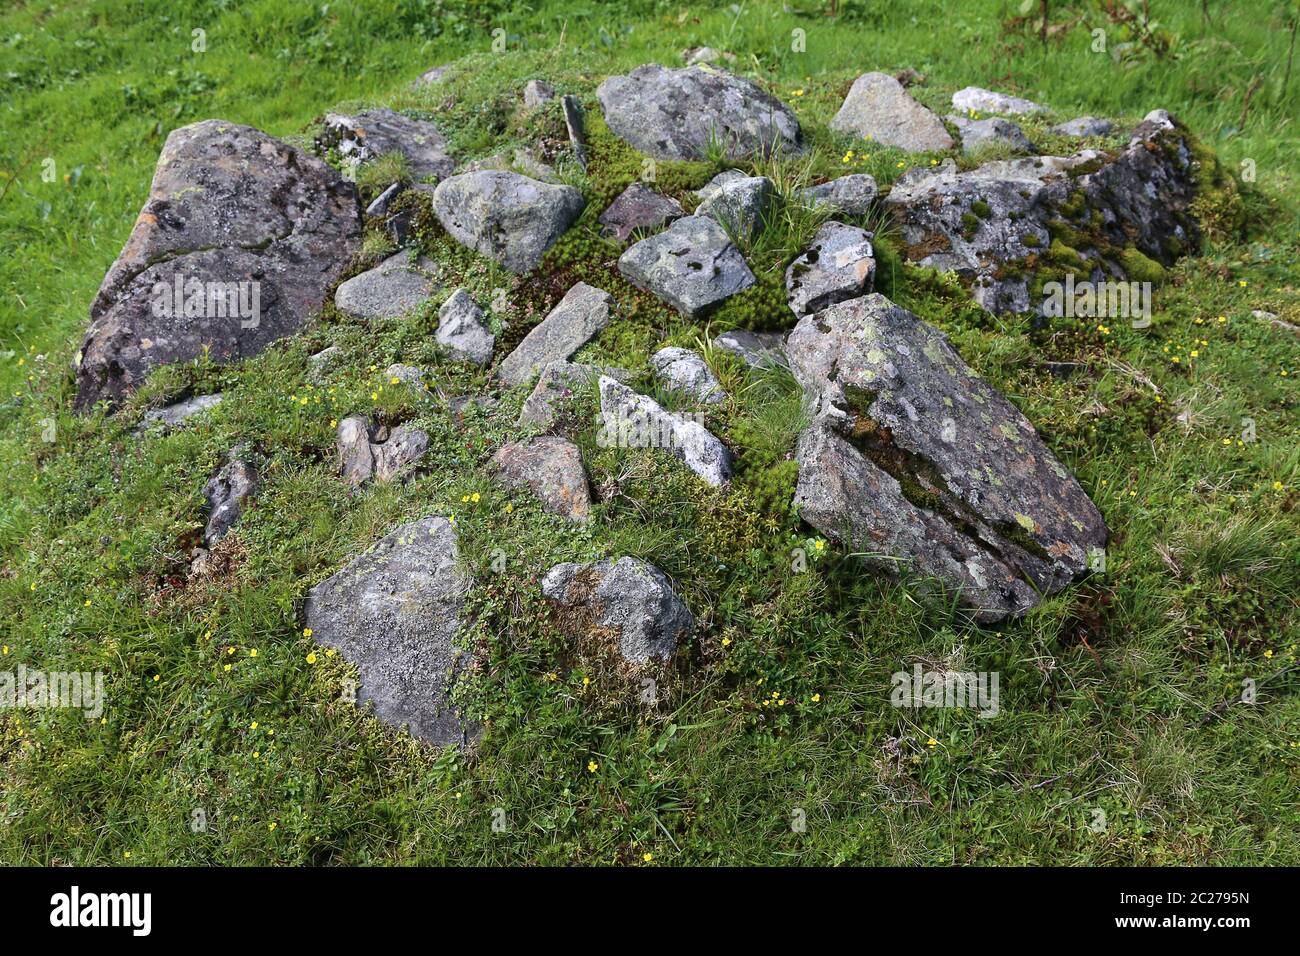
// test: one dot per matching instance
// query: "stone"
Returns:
(379, 206)
(995, 132)
(176, 414)
(839, 264)
(685, 372)
(396, 612)
(574, 321)
(550, 468)
(575, 126)
(521, 161)
(537, 93)
(367, 451)
(322, 363)
(365, 136)
(462, 331)
(880, 109)
(847, 196)
(976, 99)
(391, 289)
(261, 229)
(430, 77)
(755, 349)
(631, 420)
(924, 463)
(558, 382)
(226, 494)
(1084, 126)
(693, 56)
(675, 114)
(741, 205)
(638, 207)
(505, 216)
(628, 598)
(407, 375)
(692, 265)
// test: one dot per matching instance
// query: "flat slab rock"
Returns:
(574, 321)
(879, 108)
(365, 136)
(395, 612)
(692, 265)
(839, 264)
(632, 420)
(173, 416)
(391, 289)
(228, 205)
(507, 217)
(368, 451)
(638, 207)
(929, 465)
(979, 100)
(551, 469)
(628, 598)
(672, 114)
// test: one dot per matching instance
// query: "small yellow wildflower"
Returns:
(592, 766)
(311, 658)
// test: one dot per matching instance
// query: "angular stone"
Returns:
(551, 468)
(683, 371)
(504, 216)
(557, 382)
(228, 205)
(631, 420)
(742, 206)
(638, 207)
(574, 321)
(839, 264)
(986, 101)
(396, 612)
(463, 332)
(696, 55)
(393, 288)
(175, 415)
(365, 136)
(674, 114)
(718, 181)
(981, 134)
(692, 265)
(379, 206)
(848, 196)
(755, 349)
(1084, 126)
(628, 597)
(537, 93)
(226, 495)
(408, 375)
(878, 108)
(367, 451)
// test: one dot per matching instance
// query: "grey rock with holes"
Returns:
(692, 265)
(632, 420)
(365, 136)
(673, 114)
(638, 207)
(226, 494)
(1084, 126)
(986, 133)
(391, 289)
(755, 349)
(987, 101)
(850, 195)
(537, 93)
(628, 598)
(839, 264)
(878, 107)
(550, 468)
(462, 331)
(685, 372)
(741, 205)
(507, 217)
(396, 612)
(368, 451)
(176, 414)
(574, 321)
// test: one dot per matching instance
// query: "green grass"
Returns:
(1115, 694)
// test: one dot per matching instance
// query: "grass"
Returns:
(1117, 695)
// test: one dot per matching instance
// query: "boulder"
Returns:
(847, 196)
(393, 288)
(537, 93)
(755, 349)
(396, 612)
(631, 420)
(976, 99)
(996, 132)
(741, 205)
(638, 207)
(462, 331)
(522, 161)
(1084, 126)
(675, 114)
(685, 372)
(253, 232)
(627, 599)
(366, 136)
(551, 468)
(880, 109)
(505, 216)
(692, 265)
(574, 321)
(368, 451)
(839, 264)
(226, 494)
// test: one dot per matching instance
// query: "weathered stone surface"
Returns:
(672, 114)
(696, 55)
(537, 93)
(505, 216)
(879, 108)
(228, 205)
(582, 313)
(692, 265)
(322, 363)
(393, 288)
(631, 420)
(718, 181)
(681, 370)
(755, 349)
(840, 264)
(1084, 126)
(628, 597)
(741, 205)
(1133, 200)
(226, 495)
(521, 161)
(407, 375)
(429, 77)
(638, 207)
(176, 414)
(462, 331)
(986, 101)
(557, 382)
(848, 196)
(379, 206)
(981, 134)
(366, 136)
(367, 451)
(929, 465)
(551, 468)
(396, 612)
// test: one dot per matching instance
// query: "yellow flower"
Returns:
(649, 857)
(394, 381)
(306, 632)
(1195, 353)
(592, 766)
(253, 652)
(1242, 283)
(253, 725)
(374, 396)
(586, 681)
(330, 652)
(1278, 486)
(157, 678)
(726, 641)
(311, 658)
(932, 742)
(226, 668)
(819, 544)
(816, 698)
(474, 497)
(509, 507)
(271, 825)
(126, 855)
(1269, 653)
(334, 423)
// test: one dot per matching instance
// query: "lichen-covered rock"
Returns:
(396, 612)
(226, 494)
(929, 465)
(551, 468)
(995, 132)
(408, 375)
(979, 100)
(505, 216)
(629, 599)
(557, 382)
(741, 205)
(1084, 126)
(574, 321)
(462, 331)
(537, 93)
(379, 205)
(254, 232)
(755, 349)
(847, 196)
(393, 288)
(638, 207)
(176, 414)
(366, 136)
(521, 160)
(878, 108)
(631, 420)
(367, 451)
(673, 114)
(683, 371)
(692, 265)
(839, 264)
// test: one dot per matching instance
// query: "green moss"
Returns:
(1031, 240)
(969, 224)
(1062, 255)
(1139, 267)
(982, 209)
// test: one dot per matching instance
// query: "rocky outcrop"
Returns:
(365, 136)
(368, 451)
(550, 468)
(880, 109)
(839, 264)
(685, 372)
(631, 420)
(692, 265)
(391, 289)
(462, 331)
(574, 321)
(638, 207)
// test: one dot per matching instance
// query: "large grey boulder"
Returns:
(365, 136)
(396, 612)
(638, 207)
(393, 288)
(674, 114)
(505, 216)
(574, 321)
(462, 331)
(839, 264)
(685, 372)
(226, 494)
(253, 232)
(629, 599)
(985, 133)
(369, 451)
(879, 108)
(928, 465)
(846, 196)
(692, 265)
(631, 420)
(979, 100)
(551, 469)
(741, 205)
